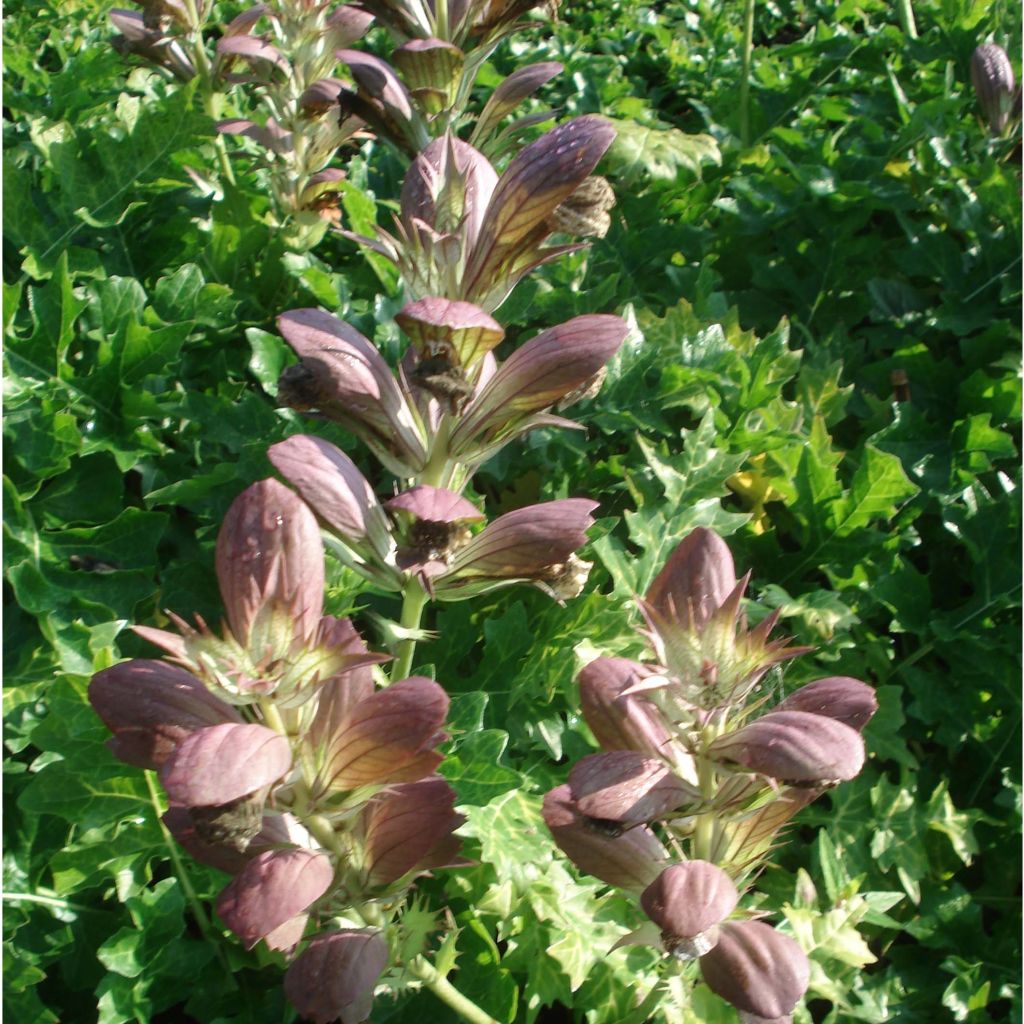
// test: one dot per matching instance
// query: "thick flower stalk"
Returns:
(692, 763)
(282, 763)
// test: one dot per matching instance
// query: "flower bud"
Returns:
(271, 890)
(222, 774)
(585, 213)
(794, 747)
(334, 977)
(388, 737)
(687, 901)
(992, 75)
(626, 788)
(151, 706)
(756, 969)
(620, 722)
(846, 700)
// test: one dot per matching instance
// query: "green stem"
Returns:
(198, 910)
(414, 602)
(448, 993)
(905, 9)
(748, 50)
(50, 901)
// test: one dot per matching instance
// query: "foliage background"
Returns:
(869, 234)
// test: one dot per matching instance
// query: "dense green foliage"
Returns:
(825, 369)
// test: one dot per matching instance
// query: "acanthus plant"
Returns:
(282, 761)
(696, 778)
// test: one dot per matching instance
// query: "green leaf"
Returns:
(662, 153)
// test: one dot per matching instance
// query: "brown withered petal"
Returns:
(223, 763)
(402, 826)
(389, 736)
(795, 747)
(538, 179)
(630, 860)
(351, 383)
(617, 722)
(697, 578)
(627, 787)
(756, 969)
(332, 485)
(269, 552)
(447, 326)
(224, 857)
(271, 889)
(585, 214)
(321, 96)
(846, 700)
(688, 899)
(151, 706)
(993, 78)
(333, 978)
(521, 544)
(536, 376)
(435, 505)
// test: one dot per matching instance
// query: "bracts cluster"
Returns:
(696, 778)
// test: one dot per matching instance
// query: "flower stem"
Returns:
(905, 9)
(198, 910)
(748, 48)
(448, 993)
(414, 602)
